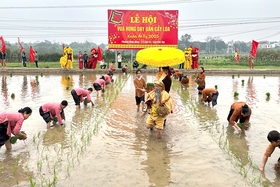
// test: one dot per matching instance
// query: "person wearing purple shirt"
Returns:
(79, 94)
(99, 84)
(11, 123)
(50, 110)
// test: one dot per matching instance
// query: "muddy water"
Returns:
(108, 144)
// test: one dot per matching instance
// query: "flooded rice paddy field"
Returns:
(108, 144)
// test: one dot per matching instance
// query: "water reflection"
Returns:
(81, 81)
(35, 88)
(4, 90)
(54, 135)
(67, 82)
(13, 171)
(118, 137)
(278, 90)
(24, 88)
(238, 145)
(157, 165)
(251, 96)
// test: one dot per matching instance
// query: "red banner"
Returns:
(20, 46)
(254, 47)
(31, 54)
(138, 29)
(3, 48)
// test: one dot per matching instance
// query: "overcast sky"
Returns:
(81, 20)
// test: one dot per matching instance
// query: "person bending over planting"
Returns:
(49, 111)
(11, 123)
(239, 111)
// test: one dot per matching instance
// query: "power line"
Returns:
(269, 36)
(107, 5)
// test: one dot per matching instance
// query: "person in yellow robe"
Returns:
(66, 61)
(158, 98)
(188, 58)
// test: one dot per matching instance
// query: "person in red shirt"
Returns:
(99, 84)
(79, 94)
(111, 67)
(108, 78)
(80, 60)
(124, 69)
(11, 123)
(50, 110)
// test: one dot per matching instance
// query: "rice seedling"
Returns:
(32, 182)
(11, 74)
(85, 101)
(232, 76)
(236, 94)
(216, 87)
(264, 76)
(267, 94)
(13, 96)
(15, 169)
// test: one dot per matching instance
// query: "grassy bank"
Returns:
(75, 65)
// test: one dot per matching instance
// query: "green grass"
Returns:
(75, 65)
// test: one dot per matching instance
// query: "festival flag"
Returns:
(3, 49)
(254, 47)
(20, 46)
(99, 52)
(31, 54)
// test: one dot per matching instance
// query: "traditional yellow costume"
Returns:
(188, 58)
(155, 117)
(66, 61)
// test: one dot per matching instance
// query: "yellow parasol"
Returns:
(160, 56)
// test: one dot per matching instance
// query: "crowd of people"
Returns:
(51, 112)
(157, 103)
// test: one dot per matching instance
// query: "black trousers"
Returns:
(119, 64)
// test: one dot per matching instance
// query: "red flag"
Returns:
(3, 44)
(99, 52)
(254, 47)
(31, 54)
(20, 46)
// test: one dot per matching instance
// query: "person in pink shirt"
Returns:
(79, 94)
(99, 84)
(11, 123)
(50, 110)
(124, 69)
(111, 67)
(108, 78)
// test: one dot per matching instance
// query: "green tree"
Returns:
(184, 41)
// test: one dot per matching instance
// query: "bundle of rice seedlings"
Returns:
(14, 139)
(150, 86)
(85, 101)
